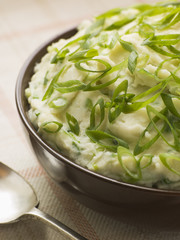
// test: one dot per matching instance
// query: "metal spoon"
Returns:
(18, 201)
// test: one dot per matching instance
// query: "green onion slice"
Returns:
(59, 57)
(64, 50)
(162, 40)
(93, 116)
(95, 28)
(176, 78)
(146, 30)
(167, 99)
(176, 144)
(173, 49)
(84, 54)
(58, 102)
(145, 160)
(171, 74)
(89, 104)
(142, 145)
(51, 126)
(132, 59)
(169, 20)
(121, 23)
(78, 65)
(134, 106)
(168, 160)
(69, 86)
(163, 52)
(91, 87)
(106, 140)
(73, 123)
(50, 88)
(124, 155)
(106, 40)
(46, 80)
(116, 107)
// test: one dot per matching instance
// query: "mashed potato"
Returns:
(109, 96)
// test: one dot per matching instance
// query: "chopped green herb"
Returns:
(58, 102)
(94, 114)
(51, 126)
(106, 140)
(73, 124)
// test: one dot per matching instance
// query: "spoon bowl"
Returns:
(18, 201)
(16, 195)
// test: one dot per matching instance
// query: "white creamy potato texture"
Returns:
(109, 96)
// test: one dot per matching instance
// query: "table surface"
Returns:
(24, 25)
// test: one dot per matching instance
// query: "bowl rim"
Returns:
(32, 132)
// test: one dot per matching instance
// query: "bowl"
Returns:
(90, 188)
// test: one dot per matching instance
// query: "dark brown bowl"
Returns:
(88, 187)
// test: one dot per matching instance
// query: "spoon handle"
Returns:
(54, 223)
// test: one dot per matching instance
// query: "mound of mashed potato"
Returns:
(109, 96)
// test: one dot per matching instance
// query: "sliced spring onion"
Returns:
(163, 52)
(63, 50)
(127, 45)
(161, 66)
(146, 30)
(162, 40)
(89, 104)
(159, 86)
(145, 160)
(92, 86)
(78, 65)
(176, 78)
(84, 54)
(74, 144)
(106, 40)
(153, 11)
(58, 102)
(173, 49)
(96, 27)
(71, 135)
(51, 126)
(167, 99)
(132, 59)
(50, 88)
(117, 68)
(125, 154)
(169, 20)
(93, 117)
(120, 24)
(46, 80)
(134, 106)
(176, 144)
(146, 73)
(73, 123)
(142, 145)
(69, 86)
(116, 108)
(59, 57)
(167, 159)
(106, 140)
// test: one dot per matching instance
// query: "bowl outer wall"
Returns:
(84, 184)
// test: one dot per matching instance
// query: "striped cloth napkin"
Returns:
(24, 25)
